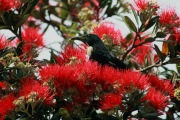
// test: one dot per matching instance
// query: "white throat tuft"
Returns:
(89, 50)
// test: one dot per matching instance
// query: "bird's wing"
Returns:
(101, 55)
(117, 63)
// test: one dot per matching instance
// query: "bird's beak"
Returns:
(81, 38)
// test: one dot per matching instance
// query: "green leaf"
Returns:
(19, 49)
(22, 20)
(174, 61)
(11, 38)
(130, 23)
(1, 66)
(135, 15)
(161, 55)
(171, 50)
(152, 21)
(4, 27)
(160, 35)
(143, 17)
(53, 57)
(28, 8)
(129, 37)
(150, 39)
(178, 67)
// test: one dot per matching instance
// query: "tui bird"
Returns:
(97, 51)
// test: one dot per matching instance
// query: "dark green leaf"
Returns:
(11, 38)
(161, 55)
(150, 39)
(1, 66)
(171, 50)
(53, 57)
(4, 27)
(143, 17)
(160, 35)
(152, 21)
(135, 15)
(22, 20)
(178, 67)
(129, 37)
(130, 23)
(105, 117)
(28, 7)
(19, 49)
(174, 61)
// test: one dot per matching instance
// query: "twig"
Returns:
(132, 47)
(157, 64)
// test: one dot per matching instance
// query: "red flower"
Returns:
(110, 101)
(63, 77)
(2, 85)
(6, 105)
(130, 78)
(6, 5)
(162, 85)
(141, 52)
(32, 39)
(3, 42)
(44, 94)
(108, 31)
(176, 33)
(156, 99)
(109, 75)
(141, 4)
(168, 18)
(71, 54)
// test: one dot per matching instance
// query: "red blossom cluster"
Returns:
(71, 54)
(6, 5)
(32, 39)
(76, 84)
(91, 78)
(156, 99)
(169, 19)
(107, 30)
(142, 5)
(42, 92)
(6, 105)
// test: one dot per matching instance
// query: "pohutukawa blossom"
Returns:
(71, 55)
(161, 85)
(32, 39)
(63, 77)
(6, 105)
(142, 52)
(156, 99)
(130, 78)
(169, 19)
(6, 5)
(110, 101)
(176, 33)
(141, 4)
(108, 31)
(42, 92)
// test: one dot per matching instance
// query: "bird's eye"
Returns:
(88, 35)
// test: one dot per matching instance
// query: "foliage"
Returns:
(68, 86)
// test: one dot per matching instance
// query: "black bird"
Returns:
(99, 52)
